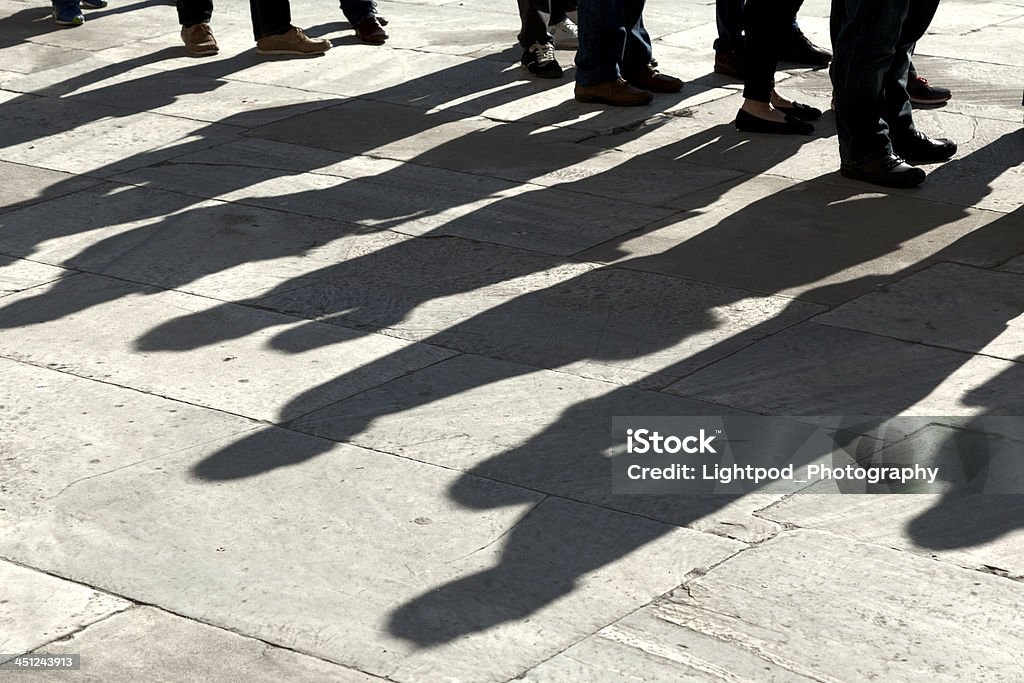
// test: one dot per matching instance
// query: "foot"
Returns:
(729, 63)
(777, 123)
(93, 4)
(67, 13)
(921, 92)
(539, 60)
(797, 48)
(617, 93)
(294, 42)
(199, 40)
(652, 80)
(888, 170)
(371, 30)
(565, 34)
(923, 149)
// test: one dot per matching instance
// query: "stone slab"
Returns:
(979, 532)
(816, 241)
(97, 139)
(24, 185)
(815, 369)
(61, 430)
(947, 305)
(808, 605)
(545, 431)
(336, 517)
(243, 375)
(37, 608)
(17, 274)
(156, 646)
(187, 92)
(276, 168)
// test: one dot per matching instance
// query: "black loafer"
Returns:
(923, 149)
(748, 123)
(888, 170)
(802, 111)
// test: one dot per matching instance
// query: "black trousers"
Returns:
(767, 23)
(269, 17)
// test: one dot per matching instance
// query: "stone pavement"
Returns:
(307, 366)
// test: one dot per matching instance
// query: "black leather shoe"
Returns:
(748, 123)
(888, 170)
(797, 48)
(802, 111)
(371, 30)
(921, 148)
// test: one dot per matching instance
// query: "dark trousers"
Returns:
(269, 17)
(613, 40)
(872, 42)
(535, 17)
(729, 16)
(767, 25)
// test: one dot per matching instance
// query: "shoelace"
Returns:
(545, 52)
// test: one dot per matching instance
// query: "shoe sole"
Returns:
(295, 53)
(202, 53)
(594, 99)
(916, 100)
(907, 183)
(548, 74)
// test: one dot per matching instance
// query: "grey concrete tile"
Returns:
(563, 569)
(979, 532)
(820, 370)
(187, 92)
(173, 240)
(99, 140)
(61, 430)
(947, 305)
(413, 199)
(995, 43)
(38, 608)
(113, 25)
(1014, 265)
(980, 89)
(232, 367)
(24, 185)
(27, 57)
(158, 646)
(600, 323)
(18, 274)
(548, 432)
(772, 611)
(816, 241)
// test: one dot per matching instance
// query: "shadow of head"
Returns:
(258, 453)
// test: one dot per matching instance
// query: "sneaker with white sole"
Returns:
(199, 40)
(67, 13)
(539, 59)
(294, 42)
(566, 35)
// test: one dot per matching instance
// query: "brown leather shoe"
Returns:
(371, 30)
(617, 93)
(654, 81)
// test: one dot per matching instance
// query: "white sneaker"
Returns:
(565, 34)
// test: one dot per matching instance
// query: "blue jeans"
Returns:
(729, 17)
(357, 10)
(872, 42)
(613, 40)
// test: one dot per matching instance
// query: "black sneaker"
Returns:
(922, 93)
(539, 59)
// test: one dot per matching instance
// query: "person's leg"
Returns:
(766, 22)
(638, 66)
(538, 45)
(192, 12)
(270, 17)
(729, 18)
(194, 17)
(865, 44)
(602, 46)
(357, 10)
